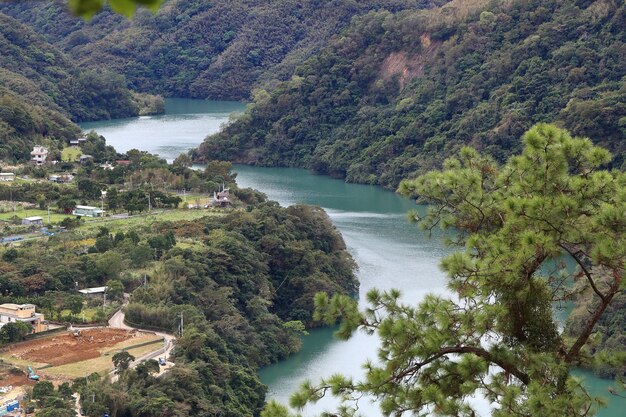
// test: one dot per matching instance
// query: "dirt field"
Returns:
(65, 348)
(16, 380)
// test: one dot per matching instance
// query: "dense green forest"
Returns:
(201, 49)
(43, 93)
(395, 94)
(243, 280)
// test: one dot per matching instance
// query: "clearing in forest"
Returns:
(73, 356)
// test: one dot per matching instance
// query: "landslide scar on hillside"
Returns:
(407, 66)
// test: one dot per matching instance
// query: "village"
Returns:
(49, 195)
(84, 327)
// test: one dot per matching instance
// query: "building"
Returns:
(61, 179)
(39, 155)
(85, 158)
(88, 211)
(77, 142)
(11, 313)
(7, 176)
(221, 198)
(33, 221)
(93, 292)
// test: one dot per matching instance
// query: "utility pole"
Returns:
(145, 281)
(48, 214)
(181, 324)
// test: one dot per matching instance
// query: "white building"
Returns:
(88, 211)
(7, 176)
(32, 221)
(39, 155)
(93, 292)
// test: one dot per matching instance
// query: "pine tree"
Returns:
(518, 224)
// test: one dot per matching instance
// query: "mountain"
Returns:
(201, 49)
(397, 93)
(43, 93)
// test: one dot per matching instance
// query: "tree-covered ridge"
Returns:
(195, 48)
(42, 92)
(395, 94)
(244, 282)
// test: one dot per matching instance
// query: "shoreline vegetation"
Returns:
(243, 277)
(395, 94)
(379, 93)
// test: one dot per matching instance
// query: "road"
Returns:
(117, 322)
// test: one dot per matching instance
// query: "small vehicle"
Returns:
(162, 362)
(32, 375)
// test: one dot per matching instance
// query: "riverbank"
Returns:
(390, 253)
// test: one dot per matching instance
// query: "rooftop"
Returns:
(13, 306)
(94, 290)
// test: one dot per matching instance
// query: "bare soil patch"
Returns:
(15, 380)
(66, 348)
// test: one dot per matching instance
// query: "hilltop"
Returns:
(397, 93)
(199, 49)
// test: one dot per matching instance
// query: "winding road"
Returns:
(117, 322)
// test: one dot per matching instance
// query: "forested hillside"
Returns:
(244, 282)
(396, 94)
(42, 92)
(201, 49)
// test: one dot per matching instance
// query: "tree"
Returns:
(498, 336)
(15, 332)
(115, 289)
(43, 389)
(113, 199)
(65, 391)
(74, 303)
(10, 255)
(219, 172)
(56, 412)
(66, 205)
(148, 367)
(121, 361)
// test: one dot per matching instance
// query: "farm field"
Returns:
(67, 356)
(148, 219)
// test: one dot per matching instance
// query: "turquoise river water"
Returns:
(390, 252)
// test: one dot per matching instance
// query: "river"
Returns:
(184, 125)
(390, 252)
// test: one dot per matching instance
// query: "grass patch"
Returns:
(20, 363)
(22, 213)
(71, 154)
(54, 216)
(149, 219)
(89, 314)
